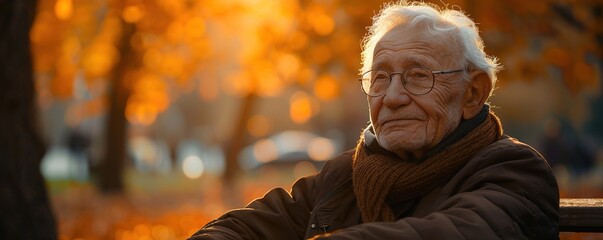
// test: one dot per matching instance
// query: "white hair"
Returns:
(436, 22)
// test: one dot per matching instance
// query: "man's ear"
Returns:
(476, 94)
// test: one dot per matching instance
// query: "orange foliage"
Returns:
(283, 43)
(326, 88)
(63, 9)
(300, 108)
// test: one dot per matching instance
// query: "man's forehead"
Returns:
(416, 32)
(417, 38)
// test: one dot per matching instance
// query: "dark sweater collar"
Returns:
(464, 128)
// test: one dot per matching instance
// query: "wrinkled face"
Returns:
(409, 124)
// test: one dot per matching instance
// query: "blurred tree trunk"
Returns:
(111, 179)
(24, 204)
(237, 141)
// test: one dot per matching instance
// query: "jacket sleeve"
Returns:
(511, 195)
(277, 215)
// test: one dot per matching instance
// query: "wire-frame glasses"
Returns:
(416, 80)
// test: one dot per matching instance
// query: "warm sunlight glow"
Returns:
(288, 66)
(63, 9)
(99, 59)
(141, 231)
(148, 98)
(300, 108)
(326, 88)
(272, 80)
(306, 75)
(174, 8)
(322, 23)
(258, 126)
(175, 31)
(238, 84)
(162, 232)
(268, 82)
(193, 167)
(153, 90)
(172, 64)
(298, 40)
(195, 27)
(141, 114)
(132, 14)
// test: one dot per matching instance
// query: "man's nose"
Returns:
(396, 94)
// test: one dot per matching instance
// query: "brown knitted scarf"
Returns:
(378, 178)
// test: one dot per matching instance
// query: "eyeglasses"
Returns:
(416, 80)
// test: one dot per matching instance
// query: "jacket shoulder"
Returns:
(510, 149)
(338, 169)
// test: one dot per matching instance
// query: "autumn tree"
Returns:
(303, 53)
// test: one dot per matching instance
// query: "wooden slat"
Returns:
(581, 215)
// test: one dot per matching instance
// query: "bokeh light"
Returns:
(288, 66)
(326, 88)
(193, 167)
(322, 23)
(321, 149)
(63, 9)
(133, 13)
(265, 151)
(300, 108)
(268, 83)
(99, 59)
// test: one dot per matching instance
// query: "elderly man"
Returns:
(433, 163)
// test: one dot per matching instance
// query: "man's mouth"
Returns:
(399, 120)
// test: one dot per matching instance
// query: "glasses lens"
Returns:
(418, 80)
(375, 83)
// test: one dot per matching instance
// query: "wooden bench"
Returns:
(581, 215)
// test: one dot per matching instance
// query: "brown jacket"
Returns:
(506, 191)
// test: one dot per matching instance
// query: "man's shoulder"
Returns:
(509, 149)
(339, 168)
(508, 144)
(344, 159)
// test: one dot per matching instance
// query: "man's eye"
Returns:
(417, 75)
(380, 77)
(380, 81)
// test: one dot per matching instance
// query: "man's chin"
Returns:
(393, 144)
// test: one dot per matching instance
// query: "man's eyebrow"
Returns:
(411, 61)
(379, 64)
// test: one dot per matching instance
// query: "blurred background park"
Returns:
(159, 115)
